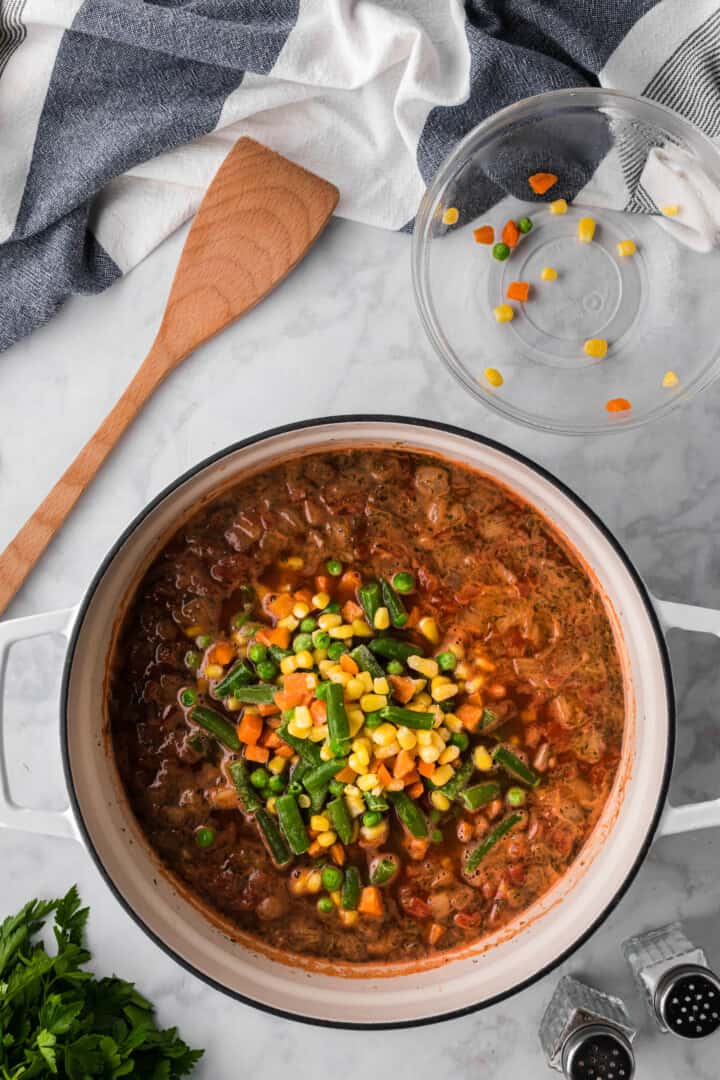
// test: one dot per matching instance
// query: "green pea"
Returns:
(500, 251)
(302, 642)
(203, 640)
(460, 738)
(259, 778)
(515, 796)
(334, 568)
(257, 653)
(294, 788)
(336, 650)
(240, 619)
(403, 582)
(267, 670)
(394, 667)
(325, 905)
(373, 720)
(308, 625)
(321, 639)
(525, 224)
(332, 878)
(192, 659)
(333, 608)
(371, 818)
(436, 836)
(276, 784)
(446, 661)
(187, 697)
(435, 815)
(205, 837)
(250, 629)
(336, 787)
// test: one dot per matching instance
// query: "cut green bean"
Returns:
(216, 724)
(410, 815)
(392, 649)
(350, 896)
(460, 780)
(478, 854)
(395, 606)
(278, 849)
(375, 802)
(292, 824)
(366, 661)
(323, 774)
(241, 674)
(370, 596)
(515, 766)
(247, 795)
(255, 695)
(384, 870)
(337, 721)
(480, 794)
(421, 721)
(308, 751)
(340, 819)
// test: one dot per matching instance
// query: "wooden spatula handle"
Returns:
(25, 549)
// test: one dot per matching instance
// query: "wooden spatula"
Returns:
(259, 217)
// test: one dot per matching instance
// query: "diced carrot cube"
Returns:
(416, 790)
(279, 635)
(541, 182)
(371, 902)
(257, 753)
(510, 234)
(295, 691)
(485, 234)
(284, 751)
(413, 618)
(304, 596)
(279, 604)
(338, 854)
(346, 775)
(404, 764)
(323, 583)
(250, 728)
(518, 290)
(411, 778)
(403, 688)
(426, 768)
(383, 775)
(222, 653)
(470, 715)
(348, 664)
(267, 709)
(348, 583)
(272, 740)
(318, 711)
(351, 610)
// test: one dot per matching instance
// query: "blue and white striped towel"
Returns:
(114, 114)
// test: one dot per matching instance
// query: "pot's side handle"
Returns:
(700, 815)
(12, 816)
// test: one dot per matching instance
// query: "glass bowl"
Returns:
(621, 161)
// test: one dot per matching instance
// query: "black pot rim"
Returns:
(410, 422)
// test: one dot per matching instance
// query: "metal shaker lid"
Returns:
(598, 1052)
(687, 1001)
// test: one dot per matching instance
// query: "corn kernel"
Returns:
(354, 690)
(327, 622)
(451, 216)
(319, 655)
(439, 801)
(384, 734)
(313, 882)
(367, 782)
(324, 667)
(420, 702)
(326, 753)
(439, 680)
(356, 719)
(382, 752)
(450, 753)
(319, 823)
(374, 832)
(288, 665)
(348, 918)
(626, 247)
(381, 621)
(428, 754)
(428, 668)
(298, 732)
(276, 765)
(595, 347)
(372, 702)
(504, 313)
(341, 633)
(493, 376)
(270, 805)
(424, 738)
(320, 601)
(304, 660)
(444, 693)
(558, 206)
(362, 755)
(304, 801)
(670, 379)
(367, 680)
(482, 759)
(437, 741)
(351, 791)
(360, 628)
(453, 722)
(548, 273)
(289, 622)
(214, 671)
(357, 764)
(292, 562)
(406, 738)
(336, 897)
(301, 610)
(318, 732)
(302, 717)
(380, 686)
(395, 785)
(202, 685)
(355, 804)
(326, 839)
(428, 627)
(670, 209)
(361, 744)
(586, 229)
(339, 676)
(232, 704)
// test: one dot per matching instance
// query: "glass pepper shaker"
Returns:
(586, 1034)
(681, 990)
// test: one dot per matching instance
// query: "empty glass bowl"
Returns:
(643, 174)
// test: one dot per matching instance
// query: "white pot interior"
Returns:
(499, 965)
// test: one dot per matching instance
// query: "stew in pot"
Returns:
(367, 705)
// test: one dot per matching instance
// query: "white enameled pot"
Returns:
(99, 817)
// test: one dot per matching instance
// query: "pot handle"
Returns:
(700, 815)
(12, 816)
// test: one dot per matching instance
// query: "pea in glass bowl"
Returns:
(616, 158)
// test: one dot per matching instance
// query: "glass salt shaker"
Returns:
(586, 1034)
(681, 990)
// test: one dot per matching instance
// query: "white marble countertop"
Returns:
(340, 335)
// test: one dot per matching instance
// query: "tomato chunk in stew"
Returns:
(367, 705)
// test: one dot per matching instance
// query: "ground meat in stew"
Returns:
(487, 586)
